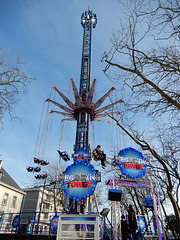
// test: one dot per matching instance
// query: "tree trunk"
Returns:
(139, 203)
(176, 209)
(165, 214)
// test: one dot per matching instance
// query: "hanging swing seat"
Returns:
(38, 176)
(44, 163)
(37, 169)
(44, 176)
(37, 160)
(114, 162)
(30, 169)
(98, 155)
(53, 182)
(64, 155)
(41, 176)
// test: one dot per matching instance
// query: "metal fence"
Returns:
(46, 223)
(28, 222)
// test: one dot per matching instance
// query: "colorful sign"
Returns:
(80, 180)
(54, 222)
(80, 155)
(141, 223)
(84, 218)
(16, 221)
(132, 163)
(148, 202)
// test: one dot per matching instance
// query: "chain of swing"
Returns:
(42, 143)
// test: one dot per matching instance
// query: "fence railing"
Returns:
(47, 223)
(28, 222)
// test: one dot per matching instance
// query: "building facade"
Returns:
(11, 194)
(40, 206)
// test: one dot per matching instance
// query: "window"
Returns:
(45, 215)
(5, 198)
(10, 216)
(13, 204)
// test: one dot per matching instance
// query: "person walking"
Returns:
(132, 222)
(124, 228)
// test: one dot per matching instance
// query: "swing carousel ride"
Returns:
(79, 180)
(83, 110)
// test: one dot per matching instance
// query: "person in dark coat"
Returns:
(132, 222)
(98, 154)
(124, 228)
(82, 207)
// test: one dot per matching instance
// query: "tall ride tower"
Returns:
(84, 111)
(88, 21)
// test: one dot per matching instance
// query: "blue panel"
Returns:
(133, 173)
(80, 155)
(16, 221)
(78, 218)
(149, 202)
(132, 169)
(141, 223)
(54, 222)
(130, 152)
(79, 190)
(115, 191)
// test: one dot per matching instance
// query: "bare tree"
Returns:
(167, 16)
(13, 82)
(148, 66)
(144, 61)
(165, 166)
(55, 186)
(52, 184)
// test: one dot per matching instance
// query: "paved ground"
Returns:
(25, 237)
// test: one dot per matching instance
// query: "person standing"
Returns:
(124, 228)
(82, 207)
(132, 221)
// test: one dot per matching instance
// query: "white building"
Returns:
(11, 194)
(38, 200)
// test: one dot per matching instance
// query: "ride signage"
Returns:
(16, 221)
(80, 155)
(79, 180)
(132, 163)
(54, 222)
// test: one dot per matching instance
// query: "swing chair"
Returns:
(30, 169)
(37, 161)
(114, 162)
(64, 155)
(100, 136)
(44, 163)
(37, 169)
(63, 133)
(41, 176)
(97, 156)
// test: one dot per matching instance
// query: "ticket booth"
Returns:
(75, 226)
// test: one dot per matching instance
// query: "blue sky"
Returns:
(49, 35)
